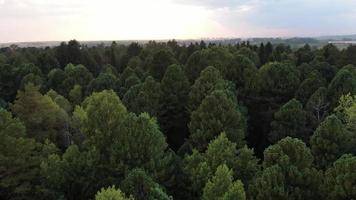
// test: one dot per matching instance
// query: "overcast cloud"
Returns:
(29, 20)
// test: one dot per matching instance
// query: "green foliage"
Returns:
(160, 62)
(104, 81)
(242, 72)
(55, 78)
(144, 97)
(76, 95)
(75, 75)
(250, 54)
(200, 94)
(72, 175)
(60, 101)
(288, 173)
(318, 105)
(221, 186)
(43, 118)
(111, 193)
(340, 179)
(312, 83)
(346, 112)
(173, 115)
(329, 141)
(20, 160)
(140, 143)
(143, 187)
(217, 113)
(343, 83)
(209, 80)
(216, 56)
(31, 78)
(199, 167)
(280, 79)
(290, 120)
(100, 119)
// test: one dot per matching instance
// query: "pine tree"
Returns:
(217, 113)
(222, 186)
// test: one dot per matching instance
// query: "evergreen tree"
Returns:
(143, 187)
(43, 118)
(222, 186)
(20, 160)
(217, 113)
(329, 141)
(173, 115)
(340, 179)
(288, 173)
(290, 120)
(111, 193)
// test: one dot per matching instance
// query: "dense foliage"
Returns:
(163, 121)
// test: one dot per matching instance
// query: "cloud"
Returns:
(126, 19)
(283, 17)
(215, 4)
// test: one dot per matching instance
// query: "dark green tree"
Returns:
(73, 175)
(343, 83)
(290, 120)
(142, 187)
(307, 88)
(173, 115)
(20, 160)
(217, 57)
(209, 80)
(217, 113)
(161, 60)
(329, 141)
(278, 79)
(339, 181)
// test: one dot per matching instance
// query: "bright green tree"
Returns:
(199, 167)
(221, 186)
(140, 143)
(100, 117)
(111, 193)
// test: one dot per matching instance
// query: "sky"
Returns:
(61, 20)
